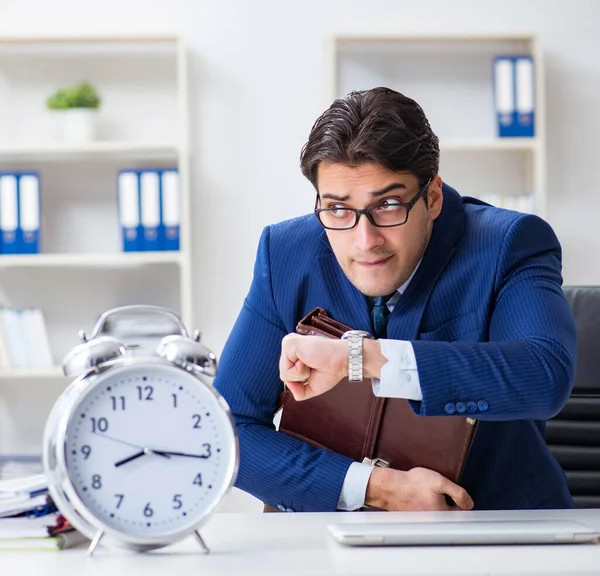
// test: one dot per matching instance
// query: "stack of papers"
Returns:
(28, 517)
(19, 495)
(42, 533)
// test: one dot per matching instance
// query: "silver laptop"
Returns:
(462, 532)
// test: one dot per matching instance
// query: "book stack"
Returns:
(28, 517)
(45, 532)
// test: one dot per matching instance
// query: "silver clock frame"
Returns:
(60, 485)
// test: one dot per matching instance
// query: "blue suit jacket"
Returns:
(488, 321)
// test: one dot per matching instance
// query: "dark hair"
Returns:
(378, 125)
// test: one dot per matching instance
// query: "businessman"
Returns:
(464, 300)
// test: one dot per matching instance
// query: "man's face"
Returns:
(377, 260)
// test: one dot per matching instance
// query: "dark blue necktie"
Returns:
(380, 314)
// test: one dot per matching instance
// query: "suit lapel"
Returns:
(406, 317)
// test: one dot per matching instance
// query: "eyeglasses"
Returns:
(388, 213)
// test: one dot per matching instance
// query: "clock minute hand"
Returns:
(185, 454)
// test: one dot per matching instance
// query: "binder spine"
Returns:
(504, 96)
(170, 209)
(150, 209)
(525, 96)
(29, 212)
(9, 213)
(129, 209)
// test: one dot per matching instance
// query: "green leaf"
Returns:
(82, 95)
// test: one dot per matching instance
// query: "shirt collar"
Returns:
(394, 299)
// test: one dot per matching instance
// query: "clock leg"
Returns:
(95, 542)
(204, 547)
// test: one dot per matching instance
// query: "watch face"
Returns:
(150, 450)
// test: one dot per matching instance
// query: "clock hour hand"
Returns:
(139, 454)
(130, 458)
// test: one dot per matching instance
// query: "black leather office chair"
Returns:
(573, 435)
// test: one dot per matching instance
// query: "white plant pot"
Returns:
(77, 125)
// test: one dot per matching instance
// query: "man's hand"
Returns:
(312, 365)
(417, 489)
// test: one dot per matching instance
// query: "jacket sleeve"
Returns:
(526, 369)
(274, 467)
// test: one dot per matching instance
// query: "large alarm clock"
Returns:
(140, 450)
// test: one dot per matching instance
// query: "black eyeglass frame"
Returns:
(367, 211)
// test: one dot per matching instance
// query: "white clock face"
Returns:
(150, 451)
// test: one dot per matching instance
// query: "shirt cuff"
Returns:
(354, 489)
(399, 375)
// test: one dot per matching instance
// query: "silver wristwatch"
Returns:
(355, 353)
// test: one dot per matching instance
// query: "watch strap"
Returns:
(355, 353)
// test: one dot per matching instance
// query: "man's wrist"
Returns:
(344, 365)
(375, 495)
(386, 488)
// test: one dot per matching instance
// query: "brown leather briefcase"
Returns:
(351, 420)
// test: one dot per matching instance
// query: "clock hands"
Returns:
(142, 450)
(139, 454)
(185, 454)
(164, 453)
(103, 435)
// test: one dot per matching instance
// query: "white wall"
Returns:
(257, 77)
(257, 73)
(259, 70)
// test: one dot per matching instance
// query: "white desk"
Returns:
(286, 544)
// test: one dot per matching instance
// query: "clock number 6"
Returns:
(148, 511)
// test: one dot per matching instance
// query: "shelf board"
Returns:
(115, 260)
(53, 46)
(57, 152)
(31, 373)
(488, 144)
(435, 37)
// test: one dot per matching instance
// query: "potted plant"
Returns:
(77, 106)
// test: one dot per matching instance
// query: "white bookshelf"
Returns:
(81, 270)
(450, 76)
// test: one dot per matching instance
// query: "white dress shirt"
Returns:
(399, 379)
